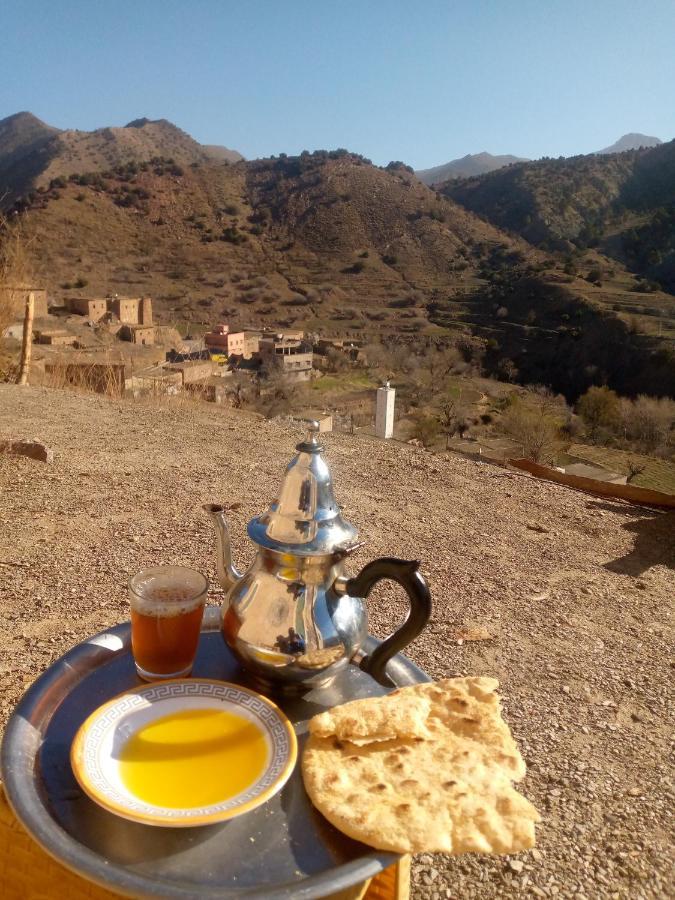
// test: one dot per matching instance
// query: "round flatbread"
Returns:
(448, 791)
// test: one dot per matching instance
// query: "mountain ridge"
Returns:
(33, 153)
(466, 167)
(331, 243)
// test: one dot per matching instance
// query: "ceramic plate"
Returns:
(184, 753)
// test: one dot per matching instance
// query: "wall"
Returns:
(601, 488)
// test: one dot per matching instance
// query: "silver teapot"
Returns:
(295, 619)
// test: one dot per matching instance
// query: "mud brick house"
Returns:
(94, 310)
(54, 336)
(193, 371)
(17, 296)
(87, 371)
(131, 310)
(138, 334)
(154, 380)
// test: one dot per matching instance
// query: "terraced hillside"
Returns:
(621, 203)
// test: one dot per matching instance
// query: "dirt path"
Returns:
(576, 592)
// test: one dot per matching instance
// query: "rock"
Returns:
(472, 633)
(31, 449)
(535, 526)
(516, 865)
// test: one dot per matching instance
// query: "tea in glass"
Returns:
(167, 605)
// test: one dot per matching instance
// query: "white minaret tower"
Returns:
(384, 411)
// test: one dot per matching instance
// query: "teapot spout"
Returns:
(227, 573)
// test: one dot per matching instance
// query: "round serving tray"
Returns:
(282, 849)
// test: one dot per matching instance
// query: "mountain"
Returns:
(632, 141)
(330, 243)
(466, 167)
(215, 151)
(326, 239)
(25, 150)
(622, 204)
(32, 154)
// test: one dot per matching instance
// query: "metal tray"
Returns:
(283, 849)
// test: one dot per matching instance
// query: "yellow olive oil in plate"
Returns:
(192, 758)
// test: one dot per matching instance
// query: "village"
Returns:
(113, 345)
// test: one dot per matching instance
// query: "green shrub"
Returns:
(426, 429)
(356, 268)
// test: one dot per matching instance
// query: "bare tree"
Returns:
(16, 266)
(634, 469)
(534, 429)
(452, 418)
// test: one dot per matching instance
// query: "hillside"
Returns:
(326, 239)
(622, 204)
(466, 167)
(574, 593)
(33, 153)
(329, 242)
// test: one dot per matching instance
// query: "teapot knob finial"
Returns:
(313, 429)
(311, 442)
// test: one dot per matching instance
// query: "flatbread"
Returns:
(375, 719)
(449, 791)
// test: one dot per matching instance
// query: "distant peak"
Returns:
(24, 118)
(631, 141)
(142, 122)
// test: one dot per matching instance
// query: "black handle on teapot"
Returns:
(406, 573)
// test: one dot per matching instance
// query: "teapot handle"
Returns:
(407, 574)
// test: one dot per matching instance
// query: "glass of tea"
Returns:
(167, 605)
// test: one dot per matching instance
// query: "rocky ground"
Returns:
(576, 593)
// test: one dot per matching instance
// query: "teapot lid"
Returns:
(305, 520)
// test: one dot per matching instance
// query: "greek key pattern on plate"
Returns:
(230, 696)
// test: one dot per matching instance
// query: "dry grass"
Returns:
(16, 264)
(658, 474)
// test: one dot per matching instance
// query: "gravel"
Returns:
(575, 593)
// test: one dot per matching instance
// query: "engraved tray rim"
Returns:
(22, 780)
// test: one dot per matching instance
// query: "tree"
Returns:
(452, 418)
(534, 429)
(426, 430)
(634, 469)
(599, 408)
(650, 421)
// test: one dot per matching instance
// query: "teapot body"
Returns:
(294, 619)
(290, 622)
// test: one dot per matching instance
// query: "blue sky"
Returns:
(422, 82)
